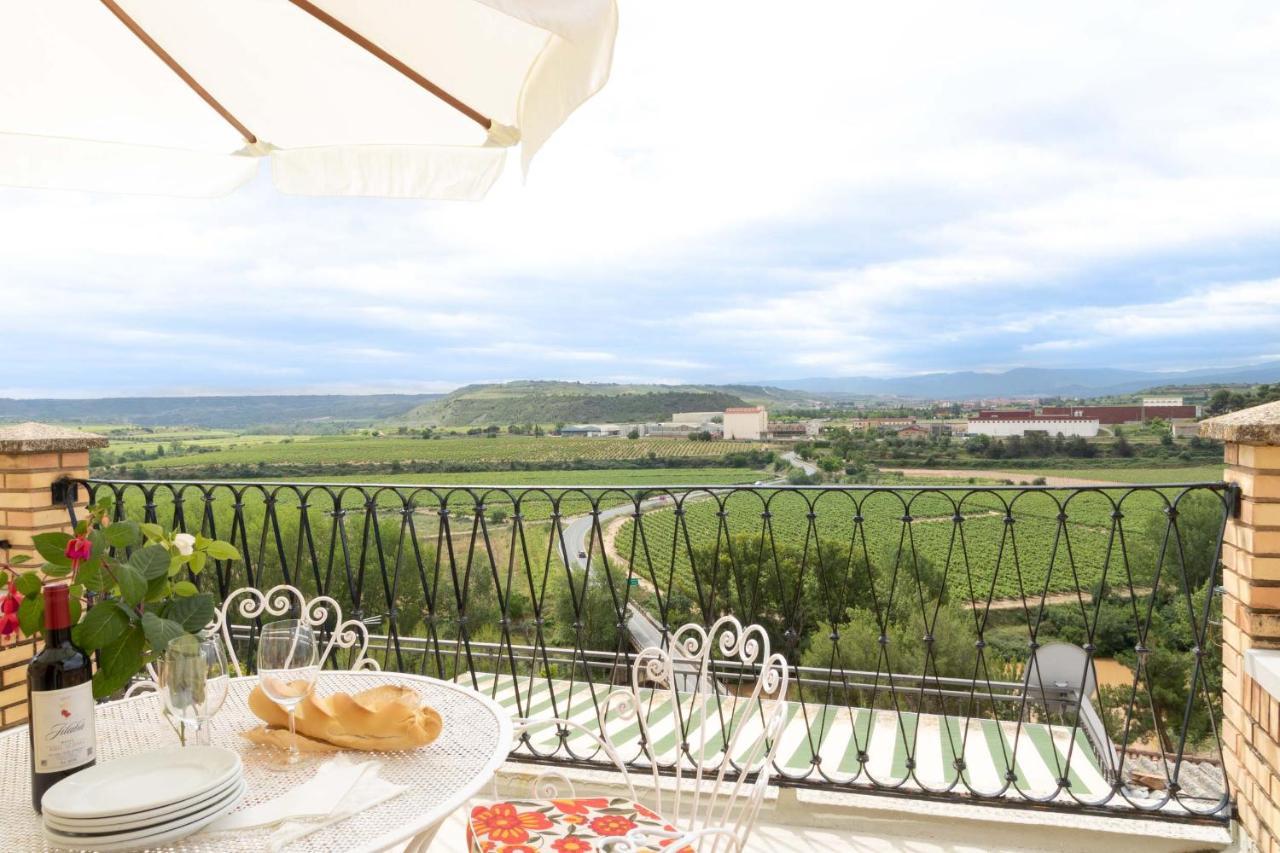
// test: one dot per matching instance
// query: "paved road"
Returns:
(807, 467)
(577, 530)
(577, 533)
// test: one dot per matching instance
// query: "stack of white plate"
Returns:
(143, 800)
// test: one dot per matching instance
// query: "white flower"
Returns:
(185, 543)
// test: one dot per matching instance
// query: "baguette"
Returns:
(384, 718)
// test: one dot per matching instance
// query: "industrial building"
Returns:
(590, 430)
(1005, 427)
(746, 423)
(1108, 415)
(694, 418)
(796, 430)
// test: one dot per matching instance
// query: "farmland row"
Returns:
(337, 450)
(1022, 547)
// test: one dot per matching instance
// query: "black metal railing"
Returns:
(1009, 644)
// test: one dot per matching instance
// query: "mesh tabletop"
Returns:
(472, 745)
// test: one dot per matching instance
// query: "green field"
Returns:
(981, 557)
(337, 450)
(1188, 474)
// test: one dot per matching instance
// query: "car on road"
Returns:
(582, 555)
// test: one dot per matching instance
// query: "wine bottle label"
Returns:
(63, 735)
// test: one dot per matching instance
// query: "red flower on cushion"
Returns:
(580, 806)
(612, 824)
(503, 823)
(649, 813)
(571, 844)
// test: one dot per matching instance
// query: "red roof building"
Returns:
(1123, 414)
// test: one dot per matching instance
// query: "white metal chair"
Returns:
(284, 599)
(248, 603)
(702, 715)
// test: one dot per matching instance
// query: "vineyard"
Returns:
(354, 449)
(1014, 547)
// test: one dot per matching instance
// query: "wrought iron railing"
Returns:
(1008, 644)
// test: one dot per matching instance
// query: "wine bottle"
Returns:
(59, 701)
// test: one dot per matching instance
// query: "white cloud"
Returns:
(854, 188)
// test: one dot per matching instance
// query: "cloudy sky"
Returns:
(761, 192)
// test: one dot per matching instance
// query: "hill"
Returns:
(1028, 382)
(284, 410)
(568, 402)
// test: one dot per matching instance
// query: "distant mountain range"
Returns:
(285, 410)
(1027, 382)
(585, 402)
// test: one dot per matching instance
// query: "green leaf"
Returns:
(98, 553)
(53, 547)
(20, 559)
(123, 534)
(82, 527)
(57, 571)
(73, 610)
(160, 631)
(31, 615)
(102, 625)
(197, 562)
(152, 562)
(185, 588)
(219, 550)
(191, 612)
(29, 583)
(133, 586)
(157, 590)
(92, 577)
(153, 532)
(118, 662)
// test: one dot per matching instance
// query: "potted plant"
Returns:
(138, 578)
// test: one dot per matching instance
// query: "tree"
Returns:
(1121, 447)
(634, 433)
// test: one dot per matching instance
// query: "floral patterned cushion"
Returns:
(580, 825)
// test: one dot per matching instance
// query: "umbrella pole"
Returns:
(168, 60)
(339, 27)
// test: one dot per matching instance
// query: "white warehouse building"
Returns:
(747, 422)
(1005, 427)
(695, 418)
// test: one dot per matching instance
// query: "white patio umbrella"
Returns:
(402, 98)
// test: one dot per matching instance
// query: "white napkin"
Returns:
(339, 789)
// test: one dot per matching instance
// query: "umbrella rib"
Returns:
(168, 60)
(360, 40)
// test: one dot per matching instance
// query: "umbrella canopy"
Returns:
(402, 98)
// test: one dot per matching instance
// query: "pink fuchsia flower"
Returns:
(9, 612)
(79, 549)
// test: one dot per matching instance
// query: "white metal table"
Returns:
(441, 777)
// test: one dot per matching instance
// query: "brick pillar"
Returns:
(32, 457)
(1251, 620)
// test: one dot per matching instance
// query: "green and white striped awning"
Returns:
(1039, 754)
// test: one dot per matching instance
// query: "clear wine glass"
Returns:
(193, 683)
(288, 664)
